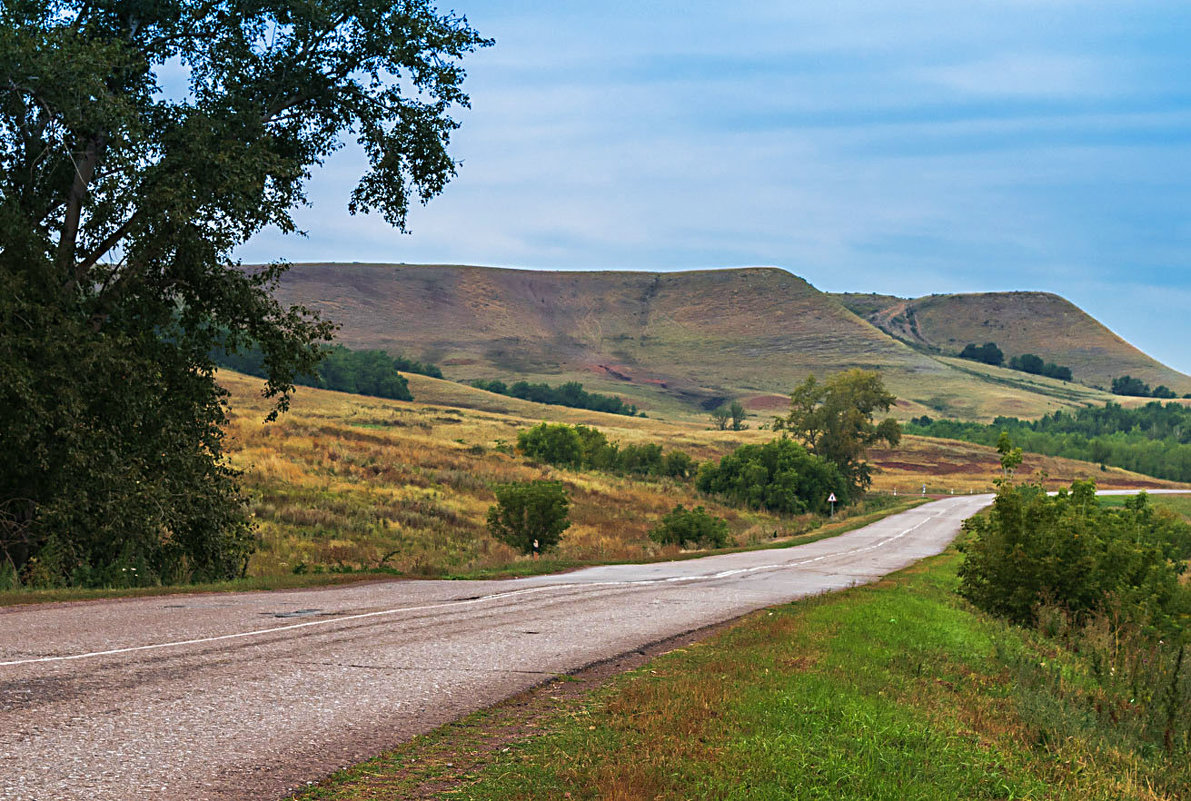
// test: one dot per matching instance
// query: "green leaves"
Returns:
(1068, 551)
(529, 512)
(780, 476)
(120, 207)
(691, 527)
(835, 421)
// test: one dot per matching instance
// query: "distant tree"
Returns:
(1128, 385)
(598, 452)
(737, 413)
(553, 444)
(642, 460)
(1032, 363)
(528, 511)
(570, 394)
(720, 417)
(499, 387)
(780, 476)
(691, 527)
(679, 464)
(988, 353)
(1163, 391)
(835, 421)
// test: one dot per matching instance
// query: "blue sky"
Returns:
(898, 147)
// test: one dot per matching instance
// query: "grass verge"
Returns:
(519, 568)
(896, 690)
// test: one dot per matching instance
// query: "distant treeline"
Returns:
(570, 394)
(989, 353)
(1154, 439)
(1128, 385)
(362, 372)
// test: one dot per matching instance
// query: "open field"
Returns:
(896, 690)
(674, 344)
(344, 482)
(348, 482)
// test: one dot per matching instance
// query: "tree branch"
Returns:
(83, 172)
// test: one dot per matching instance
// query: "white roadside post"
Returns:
(831, 500)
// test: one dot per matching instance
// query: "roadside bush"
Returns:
(780, 476)
(1105, 584)
(529, 510)
(691, 527)
(1069, 551)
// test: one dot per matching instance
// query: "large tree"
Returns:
(834, 419)
(141, 142)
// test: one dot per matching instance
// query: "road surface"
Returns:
(248, 695)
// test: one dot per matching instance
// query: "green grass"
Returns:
(1176, 503)
(896, 691)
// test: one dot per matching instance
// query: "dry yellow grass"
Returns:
(354, 482)
(345, 481)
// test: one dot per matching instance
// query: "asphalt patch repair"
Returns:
(431, 765)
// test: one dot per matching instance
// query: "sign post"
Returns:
(831, 500)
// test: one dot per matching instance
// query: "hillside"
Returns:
(673, 343)
(1019, 322)
(347, 481)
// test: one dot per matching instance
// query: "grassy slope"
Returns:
(895, 691)
(364, 483)
(344, 481)
(669, 342)
(1022, 322)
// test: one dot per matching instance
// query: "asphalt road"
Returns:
(248, 695)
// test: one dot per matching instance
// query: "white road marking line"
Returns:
(482, 599)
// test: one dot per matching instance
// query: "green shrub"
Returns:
(1069, 551)
(679, 464)
(691, 527)
(780, 476)
(584, 447)
(641, 460)
(555, 444)
(529, 510)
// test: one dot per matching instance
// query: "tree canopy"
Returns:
(988, 353)
(122, 198)
(834, 419)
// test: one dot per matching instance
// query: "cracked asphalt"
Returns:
(250, 695)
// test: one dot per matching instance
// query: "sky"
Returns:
(899, 147)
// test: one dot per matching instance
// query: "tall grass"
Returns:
(346, 483)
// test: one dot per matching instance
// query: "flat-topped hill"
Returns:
(674, 343)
